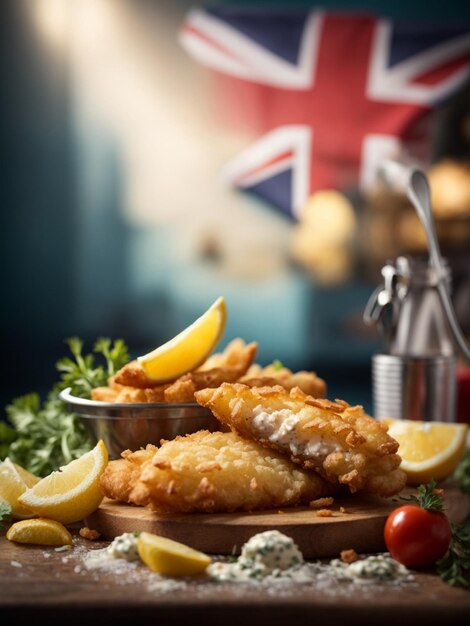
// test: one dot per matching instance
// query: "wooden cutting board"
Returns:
(360, 526)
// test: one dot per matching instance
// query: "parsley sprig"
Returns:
(81, 373)
(462, 473)
(428, 497)
(454, 568)
(44, 436)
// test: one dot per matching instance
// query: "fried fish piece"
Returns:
(227, 366)
(131, 383)
(105, 394)
(271, 375)
(221, 472)
(121, 476)
(339, 441)
(237, 357)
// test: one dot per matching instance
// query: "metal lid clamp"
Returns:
(381, 308)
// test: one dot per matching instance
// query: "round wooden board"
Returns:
(359, 527)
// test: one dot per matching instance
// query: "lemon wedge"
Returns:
(14, 481)
(170, 558)
(429, 450)
(45, 532)
(189, 348)
(71, 493)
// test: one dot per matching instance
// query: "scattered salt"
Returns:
(15, 564)
(167, 585)
(326, 578)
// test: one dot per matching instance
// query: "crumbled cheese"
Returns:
(371, 569)
(125, 547)
(266, 554)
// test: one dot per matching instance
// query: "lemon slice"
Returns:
(14, 481)
(45, 532)
(189, 349)
(71, 493)
(429, 450)
(170, 558)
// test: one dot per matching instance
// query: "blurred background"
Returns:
(116, 219)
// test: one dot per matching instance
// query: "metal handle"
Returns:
(415, 184)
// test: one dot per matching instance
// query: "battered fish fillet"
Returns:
(220, 472)
(271, 375)
(340, 442)
(121, 476)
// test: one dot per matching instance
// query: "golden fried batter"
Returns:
(120, 477)
(104, 394)
(227, 366)
(131, 383)
(234, 364)
(338, 441)
(216, 472)
(237, 358)
(271, 375)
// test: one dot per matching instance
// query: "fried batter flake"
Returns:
(271, 375)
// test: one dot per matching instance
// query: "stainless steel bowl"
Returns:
(124, 426)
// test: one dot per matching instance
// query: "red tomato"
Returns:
(417, 537)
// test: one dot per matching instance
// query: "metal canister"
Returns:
(414, 388)
(416, 377)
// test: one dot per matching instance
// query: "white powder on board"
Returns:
(331, 579)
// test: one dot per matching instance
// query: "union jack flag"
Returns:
(331, 94)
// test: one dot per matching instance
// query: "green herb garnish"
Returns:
(462, 473)
(5, 512)
(7, 437)
(46, 435)
(81, 374)
(454, 568)
(277, 365)
(429, 497)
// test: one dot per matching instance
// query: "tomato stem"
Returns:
(429, 497)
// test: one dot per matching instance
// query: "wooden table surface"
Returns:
(39, 583)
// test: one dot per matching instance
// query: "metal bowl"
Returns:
(129, 426)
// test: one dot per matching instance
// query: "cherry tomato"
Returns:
(417, 537)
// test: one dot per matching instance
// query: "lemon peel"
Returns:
(170, 558)
(189, 349)
(39, 531)
(429, 450)
(14, 481)
(73, 492)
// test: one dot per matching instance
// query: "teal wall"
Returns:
(54, 256)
